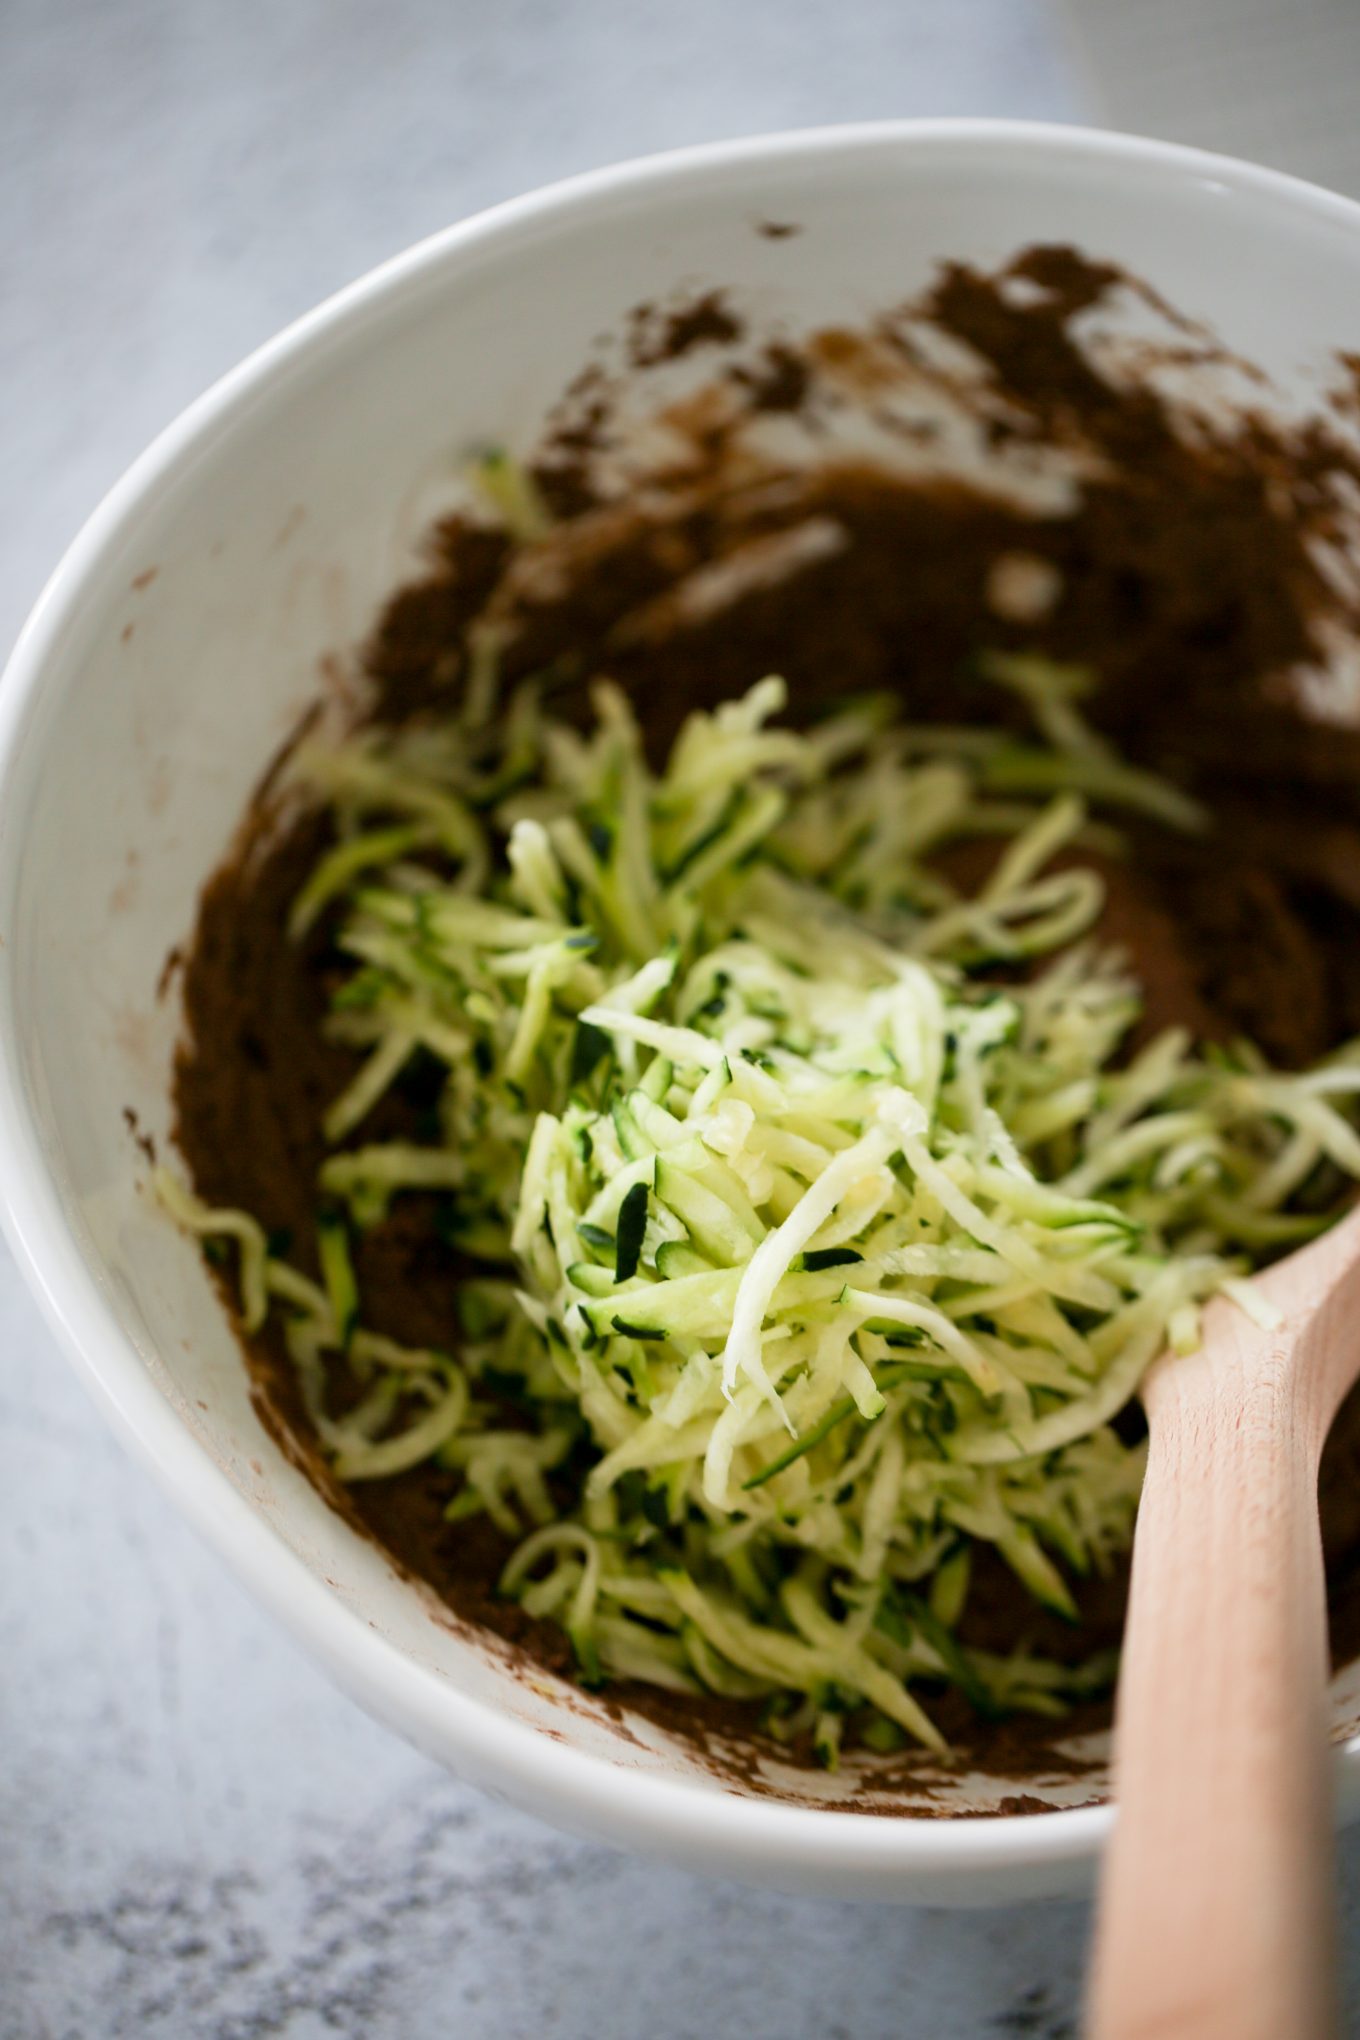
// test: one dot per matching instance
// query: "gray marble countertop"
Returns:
(198, 1837)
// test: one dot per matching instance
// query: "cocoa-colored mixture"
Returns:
(1185, 576)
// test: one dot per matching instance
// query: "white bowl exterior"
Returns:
(175, 648)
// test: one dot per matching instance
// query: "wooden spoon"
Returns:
(1216, 1907)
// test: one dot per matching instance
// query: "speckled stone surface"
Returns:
(197, 1836)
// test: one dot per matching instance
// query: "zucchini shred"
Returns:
(820, 1223)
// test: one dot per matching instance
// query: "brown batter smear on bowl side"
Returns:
(660, 333)
(1186, 575)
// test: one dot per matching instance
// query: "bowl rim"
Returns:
(687, 1821)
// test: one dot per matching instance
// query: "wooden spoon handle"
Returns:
(1215, 1916)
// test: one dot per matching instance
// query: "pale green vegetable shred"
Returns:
(822, 1229)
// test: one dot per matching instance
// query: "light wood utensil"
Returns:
(1215, 1919)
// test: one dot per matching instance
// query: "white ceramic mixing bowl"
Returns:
(173, 650)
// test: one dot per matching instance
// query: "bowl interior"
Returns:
(191, 628)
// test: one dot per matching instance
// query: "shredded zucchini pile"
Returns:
(818, 1229)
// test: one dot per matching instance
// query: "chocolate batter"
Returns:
(1185, 575)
